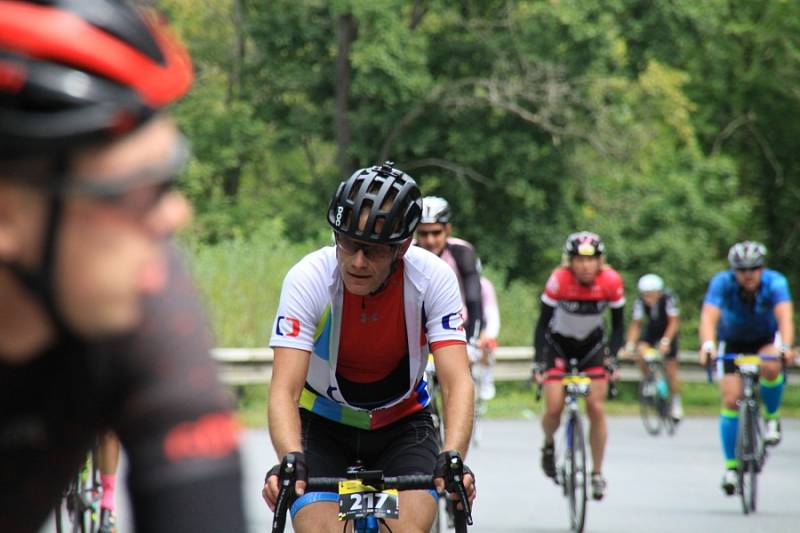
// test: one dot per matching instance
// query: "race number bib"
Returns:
(357, 500)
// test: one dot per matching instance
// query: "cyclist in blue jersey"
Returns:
(747, 309)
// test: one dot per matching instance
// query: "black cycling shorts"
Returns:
(590, 353)
(743, 347)
(673, 348)
(405, 447)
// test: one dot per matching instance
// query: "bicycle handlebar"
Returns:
(408, 482)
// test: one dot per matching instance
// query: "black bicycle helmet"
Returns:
(435, 210)
(584, 243)
(74, 72)
(747, 254)
(392, 200)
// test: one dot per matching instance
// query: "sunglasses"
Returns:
(373, 252)
(434, 232)
(138, 192)
(750, 269)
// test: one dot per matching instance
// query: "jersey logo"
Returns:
(287, 326)
(450, 322)
(331, 388)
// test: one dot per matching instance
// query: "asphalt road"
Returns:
(656, 484)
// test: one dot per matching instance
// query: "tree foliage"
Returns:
(662, 125)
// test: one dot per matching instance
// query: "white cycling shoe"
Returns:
(772, 435)
(676, 411)
(729, 482)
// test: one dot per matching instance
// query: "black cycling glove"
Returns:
(443, 465)
(298, 462)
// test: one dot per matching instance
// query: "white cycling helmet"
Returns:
(435, 210)
(747, 254)
(650, 283)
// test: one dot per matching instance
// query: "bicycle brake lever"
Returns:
(286, 478)
(456, 477)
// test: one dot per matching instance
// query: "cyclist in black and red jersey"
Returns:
(570, 325)
(100, 327)
(433, 234)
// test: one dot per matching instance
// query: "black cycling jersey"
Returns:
(469, 278)
(157, 388)
(657, 315)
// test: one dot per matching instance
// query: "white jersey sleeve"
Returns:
(444, 312)
(638, 310)
(303, 300)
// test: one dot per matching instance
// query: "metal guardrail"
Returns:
(240, 366)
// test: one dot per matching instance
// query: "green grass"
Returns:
(517, 400)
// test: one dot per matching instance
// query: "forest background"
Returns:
(669, 127)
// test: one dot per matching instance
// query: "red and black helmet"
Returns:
(584, 243)
(75, 72)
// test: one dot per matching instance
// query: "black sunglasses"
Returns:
(137, 192)
(373, 252)
(748, 269)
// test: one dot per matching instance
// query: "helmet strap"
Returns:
(41, 281)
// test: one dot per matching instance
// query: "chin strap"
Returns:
(41, 282)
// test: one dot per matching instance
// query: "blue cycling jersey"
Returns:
(747, 321)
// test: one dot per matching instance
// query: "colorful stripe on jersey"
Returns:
(375, 419)
(322, 336)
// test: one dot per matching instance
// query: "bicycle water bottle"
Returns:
(662, 388)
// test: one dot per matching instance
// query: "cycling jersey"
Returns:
(311, 316)
(157, 388)
(573, 310)
(744, 318)
(657, 318)
(460, 255)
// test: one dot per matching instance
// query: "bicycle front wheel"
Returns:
(575, 473)
(648, 409)
(747, 456)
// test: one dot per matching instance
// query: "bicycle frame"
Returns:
(654, 395)
(750, 449)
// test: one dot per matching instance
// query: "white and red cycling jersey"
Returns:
(579, 308)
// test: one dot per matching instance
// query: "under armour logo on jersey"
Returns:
(331, 388)
(287, 326)
(367, 317)
(453, 321)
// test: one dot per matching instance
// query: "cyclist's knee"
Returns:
(595, 408)
(316, 512)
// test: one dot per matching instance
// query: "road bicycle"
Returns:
(571, 468)
(751, 451)
(79, 508)
(655, 400)
(367, 497)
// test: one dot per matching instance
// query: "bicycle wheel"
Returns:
(648, 409)
(575, 474)
(747, 468)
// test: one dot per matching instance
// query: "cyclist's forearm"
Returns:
(617, 330)
(458, 412)
(709, 317)
(672, 327)
(634, 331)
(284, 423)
(784, 314)
(545, 315)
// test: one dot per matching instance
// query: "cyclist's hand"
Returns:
(537, 374)
(612, 367)
(439, 474)
(707, 353)
(789, 355)
(272, 480)
(664, 345)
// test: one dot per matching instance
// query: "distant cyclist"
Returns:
(100, 327)
(570, 325)
(747, 309)
(433, 234)
(351, 339)
(660, 306)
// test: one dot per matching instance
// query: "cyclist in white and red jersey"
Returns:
(433, 234)
(351, 339)
(570, 326)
